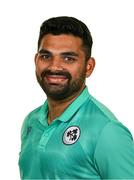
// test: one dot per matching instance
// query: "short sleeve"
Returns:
(24, 126)
(114, 153)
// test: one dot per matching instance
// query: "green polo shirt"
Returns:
(85, 142)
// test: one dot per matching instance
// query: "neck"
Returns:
(56, 108)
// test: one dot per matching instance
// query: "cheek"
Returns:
(78, 72)
(39, 67)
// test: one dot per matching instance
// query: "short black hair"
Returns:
(67, 25)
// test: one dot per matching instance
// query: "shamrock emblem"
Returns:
(71, 135)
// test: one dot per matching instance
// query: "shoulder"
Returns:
(30, 118)
(111, 125)
(104, 124)
(97, 115)
(102, 110)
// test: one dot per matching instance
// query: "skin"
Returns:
(62, 53)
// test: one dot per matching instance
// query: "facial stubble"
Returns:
(61, 91)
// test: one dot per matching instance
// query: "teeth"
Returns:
(56, 78)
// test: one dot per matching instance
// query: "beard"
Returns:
(62, 90)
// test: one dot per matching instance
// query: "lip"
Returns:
(56, 79)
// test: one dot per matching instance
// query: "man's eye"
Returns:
(45, 56)
(69, 59)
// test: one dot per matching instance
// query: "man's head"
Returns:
(63, 59)
(67, 25)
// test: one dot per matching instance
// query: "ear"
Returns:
(90, 66)
(35, 58)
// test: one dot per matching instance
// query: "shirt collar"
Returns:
(69, 112)
(74, 106)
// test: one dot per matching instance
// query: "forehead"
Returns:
(61, 42)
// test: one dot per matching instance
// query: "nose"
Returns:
(56, 64)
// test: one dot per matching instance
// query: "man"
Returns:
(72, 135)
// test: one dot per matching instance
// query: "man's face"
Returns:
(61, 67)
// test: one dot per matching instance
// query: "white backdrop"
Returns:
(112, 26)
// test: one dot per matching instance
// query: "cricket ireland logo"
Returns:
(71, 135)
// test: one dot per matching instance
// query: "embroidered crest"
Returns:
(71, 135)
(28, 130)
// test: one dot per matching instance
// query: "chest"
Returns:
(58, 150)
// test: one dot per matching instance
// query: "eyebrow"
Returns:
(44, 51)
(67, 53)
(70, 53)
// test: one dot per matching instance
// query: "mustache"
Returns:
(62, 73)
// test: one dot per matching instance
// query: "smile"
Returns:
(56, 79)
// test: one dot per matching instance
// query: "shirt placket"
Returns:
(46, 136)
